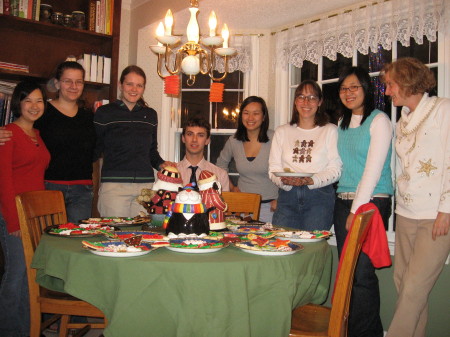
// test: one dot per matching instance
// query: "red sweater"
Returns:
(22, 167)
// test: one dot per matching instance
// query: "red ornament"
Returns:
(216, 92)
(172, 85)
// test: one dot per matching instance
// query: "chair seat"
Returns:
(310, 320)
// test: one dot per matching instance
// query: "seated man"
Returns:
(196, 135)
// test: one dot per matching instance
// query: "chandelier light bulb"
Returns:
(168, 20)
(212, 24)
(160, 32)
(225, 35)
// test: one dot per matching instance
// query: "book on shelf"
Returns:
(106, 70)
(99, 77)
(91, 17)
(87, 66)
(14, 67)
(6, 90)
(94, 62)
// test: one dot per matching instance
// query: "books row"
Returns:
(6, 116)
(97, 68)
(27, 9)
(100, 17)
(14, 66)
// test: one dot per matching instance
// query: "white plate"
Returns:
(120, 254)
(292, 174)
(295, 246)
(194, 250)
(267, 253)
(301, 239)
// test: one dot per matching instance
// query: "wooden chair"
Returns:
(37, 210)
(242, 204)
(316, 320)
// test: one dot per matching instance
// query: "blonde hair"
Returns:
(412, 76)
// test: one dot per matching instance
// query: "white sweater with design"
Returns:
(306, 151)
(423, 159)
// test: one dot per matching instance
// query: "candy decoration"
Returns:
(172, 85)
(216, 92)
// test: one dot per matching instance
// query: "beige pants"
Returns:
(119, 199)
(418, 262)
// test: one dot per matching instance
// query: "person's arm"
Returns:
(100, 131)
(380, 143)
(155, 159)
(332, 172)
(5, 135)
(442, 222)
(224, 161)
(275, 161)
(225, 155)
(7, 193)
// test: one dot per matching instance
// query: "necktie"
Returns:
(193, 177)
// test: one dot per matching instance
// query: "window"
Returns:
(222, 116)
(326, 73)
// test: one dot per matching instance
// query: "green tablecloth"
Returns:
(164, 293)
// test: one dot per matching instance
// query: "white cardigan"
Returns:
(423, 159)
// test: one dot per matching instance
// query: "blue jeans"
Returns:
(78, 200)
(305, 209)
(364, 319)
(14, 303)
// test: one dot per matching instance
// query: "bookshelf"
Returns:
(42, 46)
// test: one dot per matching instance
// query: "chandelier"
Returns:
(191, 58)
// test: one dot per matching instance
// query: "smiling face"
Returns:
(70, 84)
(32, 107)
(307, 104)
(195, 139)
(132, 89)
(394, 91)
(352, 100)
(252, 116)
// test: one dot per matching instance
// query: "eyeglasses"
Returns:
(310, 98)
(351, 88)
(68, 82)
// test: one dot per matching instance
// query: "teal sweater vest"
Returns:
(353, 147)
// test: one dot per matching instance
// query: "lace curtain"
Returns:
(362, 29)
(242, 60)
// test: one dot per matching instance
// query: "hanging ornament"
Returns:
(172, 85)
(216, 92)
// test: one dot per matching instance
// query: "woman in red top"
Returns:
(23, 161)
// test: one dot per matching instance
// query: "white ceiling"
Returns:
(248, 15)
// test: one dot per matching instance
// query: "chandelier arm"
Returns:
(224, 73)
(158, 67)
(176, 69)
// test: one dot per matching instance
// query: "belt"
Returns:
(352, 195)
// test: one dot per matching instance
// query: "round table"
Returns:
(165, 293)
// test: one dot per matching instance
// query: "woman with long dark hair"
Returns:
(364, 144)
(304, 163)
(250, 148)
(127, 139)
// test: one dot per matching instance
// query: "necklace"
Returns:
(405, 127)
